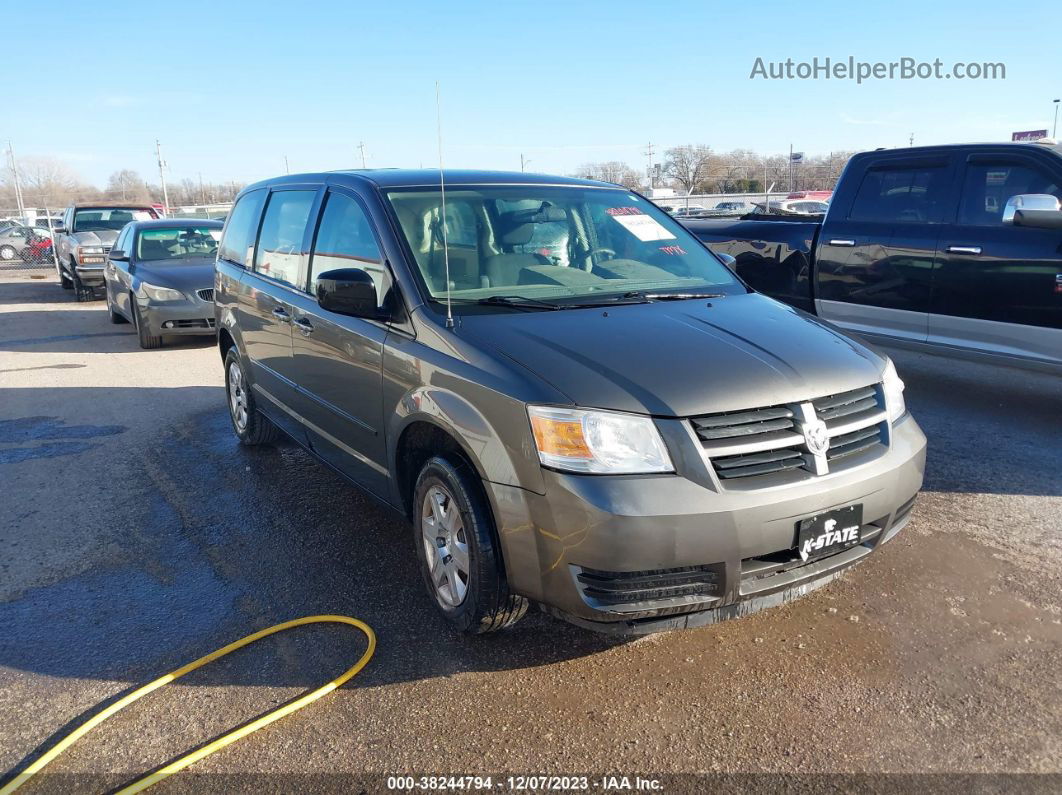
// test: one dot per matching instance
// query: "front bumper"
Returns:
(193, 316)
(593, 535)
(90, 275)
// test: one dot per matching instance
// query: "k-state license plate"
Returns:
(829, 532)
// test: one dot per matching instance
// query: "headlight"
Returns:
(153, 293)
(893, 387)
(90, 249)
(577, 440)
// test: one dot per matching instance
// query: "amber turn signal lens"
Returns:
(560, 437)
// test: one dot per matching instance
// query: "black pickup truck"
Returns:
(957, 246)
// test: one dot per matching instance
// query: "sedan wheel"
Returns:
(7, 253)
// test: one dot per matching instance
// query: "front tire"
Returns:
(250, 426)
(8, 253)
(148, 341)
(64, 280)
(117, 318)
(458, 551)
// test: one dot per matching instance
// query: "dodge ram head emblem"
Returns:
(816, 437)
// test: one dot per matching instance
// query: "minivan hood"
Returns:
(681, 358)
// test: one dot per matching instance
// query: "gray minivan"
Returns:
(570, 397)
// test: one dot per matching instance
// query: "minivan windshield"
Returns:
(553, 243)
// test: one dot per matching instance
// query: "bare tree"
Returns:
(50, 182)
(127, 185)
(687, 165)
(612, 171)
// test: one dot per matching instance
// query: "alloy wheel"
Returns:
(445, 546)
(237, 397)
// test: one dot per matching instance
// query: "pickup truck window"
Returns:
(280, 241)
(237, 244)
(112, 219)
(553, 242)
(911, 195)
(988, 186)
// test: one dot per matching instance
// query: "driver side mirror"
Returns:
(118, 255)
(348, 291)
(58, 230)
(728, 260)
(1028, 201)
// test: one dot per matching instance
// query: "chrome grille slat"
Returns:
(770, 440)
(206, 295)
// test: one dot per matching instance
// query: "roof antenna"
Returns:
(442, 192)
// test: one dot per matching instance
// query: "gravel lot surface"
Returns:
(136, 535)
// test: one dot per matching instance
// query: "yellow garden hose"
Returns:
(223, 740)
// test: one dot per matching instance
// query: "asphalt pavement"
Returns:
(137, 535)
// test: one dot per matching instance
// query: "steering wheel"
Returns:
(610, 252)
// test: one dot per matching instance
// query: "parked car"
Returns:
(938, 246)
(160, 277)
(629, 437)
(734, 207)
(84, 238)
(688, 212)
(15, 239)
(37, 251)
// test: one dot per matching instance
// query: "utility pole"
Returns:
(361, 147)
(523, 161)
(910, 141)
(202, 194)
(652, 176)
(286, 169)
(1054, 132)
(162, 178)
(790, 168)
(18, 182)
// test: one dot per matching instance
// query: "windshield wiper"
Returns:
(670, 296)
(518, 301)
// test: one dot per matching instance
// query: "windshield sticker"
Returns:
(674, 251)
(642, 226)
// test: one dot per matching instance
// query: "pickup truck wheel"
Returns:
(458, 551)
(64, 280)
(8, 253)
(148, 341)
(81, 292)
(250, 426)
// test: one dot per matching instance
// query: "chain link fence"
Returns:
(26, 239)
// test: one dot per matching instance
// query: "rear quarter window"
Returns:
(237, 242)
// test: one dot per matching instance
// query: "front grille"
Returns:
(106, 249)
(194, 323)
(768, 442)
(207, 295)
(614, 590)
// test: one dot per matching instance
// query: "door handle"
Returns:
(842, 242)
(304, 325)
(281, 314)
(964, 249)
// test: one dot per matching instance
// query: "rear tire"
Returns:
(148, 341)
(8, 253)
(457, 546)
(250, 425)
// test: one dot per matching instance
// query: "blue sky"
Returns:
(232, 87)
